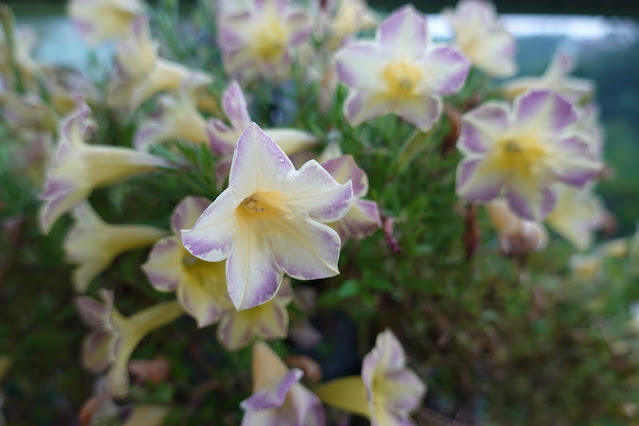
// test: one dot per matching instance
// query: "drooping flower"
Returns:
(258, 42)
(481, 37)
(115, 336)
(141, 72)
(78, 167)
(556, 78)
(270, 221)
(577, 214)
(101, 20)
(522, 152)
(269, 321)
(387, 392)
(200, 285)
(400, 72)
(278, 397)
(516, 236)
(363, 218)
(93, 244)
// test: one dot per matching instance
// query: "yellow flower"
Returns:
(101, 20)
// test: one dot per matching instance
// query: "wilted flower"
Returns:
(522, 151)
(517, 236)
(481, 37)
(363, 218)
(200, 285)
(270, 221)
(115, 337)
(258, 42)
(278, 397)
(269, 321)
(141, 73)
(101, 20)
(555, 78)
(399, 72)
(93, 244)
(78, 168)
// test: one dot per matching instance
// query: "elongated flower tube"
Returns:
(101, 20)
(577, 214)
(258, 42)
(115, 336)
(386, 392)
(93, 244)
(141, 73)
(481, 37)
(78, 168)
(269, 321)
(363, 218)
(516, 236)
(200, 285)
(278, 398)
(556, 78)
(399, 72)
(270, 221)
(522, 152)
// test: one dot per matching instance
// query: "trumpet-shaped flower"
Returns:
(269, 321)
(259, 41)
(101, 20)
(200, 285)
(78, 168)
(278, 397)
(270, 221)
(178, 119)
(115, 336)
(93, 244)
(522, 152)
(141, 73)
(363, 218)
(399, 72)
(481, 37)
(223, 138)
(555, 78)
(578, 213)
(516, 236)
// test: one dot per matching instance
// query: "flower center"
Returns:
(262, 205)
(401, 78)
(521, 155)
(270, 40)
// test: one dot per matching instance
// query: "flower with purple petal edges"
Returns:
(481, 37)
(270, 221)
(101, 20)
(521, 152)
(93, 244)
(258, 42)
(200, 285)
(78, 167)
(400, 72)
(278, 398)
(517, 236)
(115, 337)
(269, 321)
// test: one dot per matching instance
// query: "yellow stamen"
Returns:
(262, 205)
(523, 155)
(401, 78)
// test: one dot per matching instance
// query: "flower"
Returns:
(269, 321)
(78, 168)
(556, 79)
(278, 398)
(101, 20)
(482, 38)
(348, 18)
(200, 285)
(363, 218)
(399, 72)
(141, 73)
(517, 236)
(115, 337)
(93, 244)
(522, 151)
(270, 221)
(258, 42)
